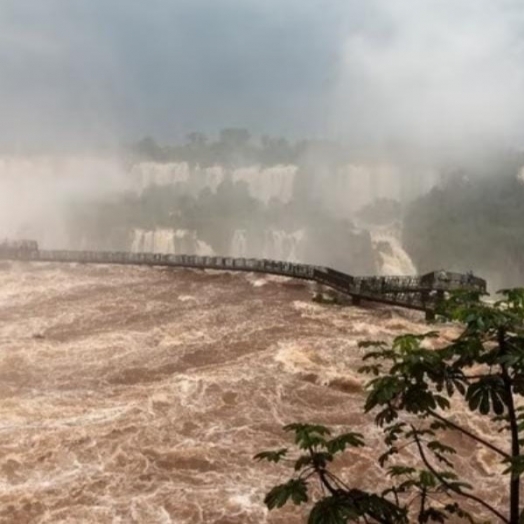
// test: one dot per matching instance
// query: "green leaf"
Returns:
(382, 459)
(397, 471)
(271, 456)
(427, 479)
(333, 510)
(394, 432)
(497, 403)
(435, 445)
(364, 344)
(303, 461)
(341, 442)
(455, 509)
(294, 489)
(353, 504)
(516, 465)
(460, 485)
(484, 404)
(308, 435)
(442, 402)
(432, 514)
(486, 389)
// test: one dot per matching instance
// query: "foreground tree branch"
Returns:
(470, 434)
(411, 382)
(452, 488)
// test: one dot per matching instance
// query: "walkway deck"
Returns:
(414, 292)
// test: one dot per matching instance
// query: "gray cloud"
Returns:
(102, 70)
(162, 67)
(438, 72)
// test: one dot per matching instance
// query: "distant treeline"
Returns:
(235, 147)
(471, 223)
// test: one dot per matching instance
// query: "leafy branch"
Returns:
(410, 390)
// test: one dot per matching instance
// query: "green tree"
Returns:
(196, 139)
(148, 148)
(457, 225)
(235, 136)
(411, 393)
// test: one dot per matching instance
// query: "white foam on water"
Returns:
(159, 390)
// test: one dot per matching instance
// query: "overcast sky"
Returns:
(74, 71)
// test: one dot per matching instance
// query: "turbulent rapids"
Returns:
(135, 387)
(140, 394)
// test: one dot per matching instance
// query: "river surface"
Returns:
(140, 395)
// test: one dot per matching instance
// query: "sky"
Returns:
(447, 72)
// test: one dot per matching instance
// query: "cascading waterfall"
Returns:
(239, 244)
(354, 186)
(169, 241)
(273, 244)
(160, 174)
(392, 258)
(270, 183)
(276, 244)
(263, 184)
(46, 186)
(191, 181)
(282, 245)
(342, 191)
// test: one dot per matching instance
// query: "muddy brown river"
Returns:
(140, 395)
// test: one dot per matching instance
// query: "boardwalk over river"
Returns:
(414, 292)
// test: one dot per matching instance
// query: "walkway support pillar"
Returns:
(430, 315)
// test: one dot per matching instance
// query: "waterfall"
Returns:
(164, 241)
(138, 241)
(148, 242)
(343, 191)
(160, 174)
(203, 249)
(351, 187)
(212, 177)
(392, 258)
(147, 174)
(169, 241)
(296, 243)
(274, 244)
(263, 184)
(281, 245)
(271, 183)
(239, 243)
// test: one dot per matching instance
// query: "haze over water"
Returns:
(140, 395)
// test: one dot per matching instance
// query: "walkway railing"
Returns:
(414, 292)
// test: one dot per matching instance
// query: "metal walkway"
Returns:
(414, 292)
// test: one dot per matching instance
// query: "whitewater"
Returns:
(134, 394)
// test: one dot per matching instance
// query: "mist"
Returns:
(442, 76)
(368, 100)
(432, 74)
(38, 193)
